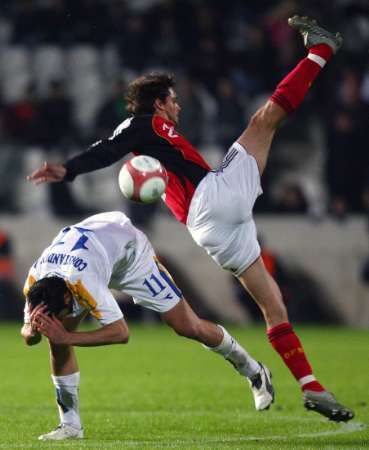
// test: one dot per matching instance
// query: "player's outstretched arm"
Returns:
(113, 333)
(30, 336)
(48, 173)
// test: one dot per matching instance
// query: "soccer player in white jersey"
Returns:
(72, 278)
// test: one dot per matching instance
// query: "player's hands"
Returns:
(52, 328)
(33, 315)
(51, 173)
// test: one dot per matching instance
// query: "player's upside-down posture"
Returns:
(71, 279)
(217, 205)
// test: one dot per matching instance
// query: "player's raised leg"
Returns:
(282, 337)
(291, 91)
(65, 376)
(216, 338)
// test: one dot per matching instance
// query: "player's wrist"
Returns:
(68, 338)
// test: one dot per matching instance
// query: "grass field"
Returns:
(163, 392)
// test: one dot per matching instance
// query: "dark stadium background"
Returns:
(64, 65)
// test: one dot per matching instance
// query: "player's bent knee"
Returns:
(263, 120)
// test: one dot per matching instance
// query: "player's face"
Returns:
(171, 106)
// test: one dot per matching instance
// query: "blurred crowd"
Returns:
(228, 57)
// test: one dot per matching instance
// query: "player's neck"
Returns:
(163, 115)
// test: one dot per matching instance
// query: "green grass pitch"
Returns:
(164, 392)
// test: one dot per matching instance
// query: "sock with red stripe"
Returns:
(288, 345)
(292, 90)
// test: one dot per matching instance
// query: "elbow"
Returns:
(32, 340)
(119, 332)
(123, 337)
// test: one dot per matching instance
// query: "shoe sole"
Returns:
(336, 415)
(69, 438)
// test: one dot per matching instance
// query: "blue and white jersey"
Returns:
(101, 252)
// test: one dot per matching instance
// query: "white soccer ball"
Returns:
(143, 179)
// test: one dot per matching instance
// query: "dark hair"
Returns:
(143, 91)
(51, 292)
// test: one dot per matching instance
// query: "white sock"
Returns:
(317, 59)
(66, 387)
(232, 351)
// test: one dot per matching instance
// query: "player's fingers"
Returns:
(40, 180)
(43, 329)
(36, 173)
(55, 320)
(43, 319)
(37, 309)
(46, 178)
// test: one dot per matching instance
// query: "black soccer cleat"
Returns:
(324, 403)
(313, 34)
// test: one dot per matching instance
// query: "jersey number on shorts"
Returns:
(156, 285)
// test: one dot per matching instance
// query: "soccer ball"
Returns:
(143, 179)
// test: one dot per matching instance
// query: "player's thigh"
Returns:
(149, 282)
(264, 290)
(258, 136)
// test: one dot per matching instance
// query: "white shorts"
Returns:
(220, 214)
(146, 279)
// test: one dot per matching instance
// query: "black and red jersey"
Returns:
(157, 137)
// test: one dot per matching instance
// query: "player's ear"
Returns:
(158, 105)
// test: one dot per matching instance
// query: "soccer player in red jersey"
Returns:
(216, 205)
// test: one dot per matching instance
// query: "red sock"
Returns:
(288, 345)
(292, 90)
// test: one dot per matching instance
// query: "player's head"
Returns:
(153, 93)
(52, 292)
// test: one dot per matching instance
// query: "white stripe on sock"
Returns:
(317, 59)
(306, 380)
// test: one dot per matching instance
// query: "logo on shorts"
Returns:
(226, 161)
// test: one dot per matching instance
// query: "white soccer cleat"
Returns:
(262, 389)
(62, 432)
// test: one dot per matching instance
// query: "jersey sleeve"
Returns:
(26, 314)
(108, 309)
(105, 152)
(30, 280)
(94, 296)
